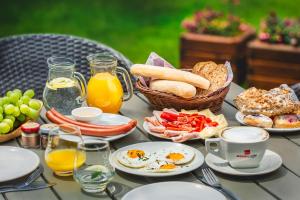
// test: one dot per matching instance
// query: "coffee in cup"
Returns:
(242, 147)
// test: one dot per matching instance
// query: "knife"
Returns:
(34, 186)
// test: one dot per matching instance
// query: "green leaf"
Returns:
(96, 174)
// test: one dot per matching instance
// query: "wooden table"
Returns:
(281, 184)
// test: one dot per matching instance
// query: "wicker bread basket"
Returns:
(160, 100)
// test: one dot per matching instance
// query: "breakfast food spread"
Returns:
(163, 160)
(275, 108)
(185, 125)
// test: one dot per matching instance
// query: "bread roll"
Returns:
(169, 74)
(178, 88)
(287, 121)
(258, 121)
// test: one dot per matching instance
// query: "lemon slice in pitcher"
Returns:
(60, 82)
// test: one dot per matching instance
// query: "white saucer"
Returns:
(270, 162)
(174, 190)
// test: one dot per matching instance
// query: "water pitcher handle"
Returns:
(128, 83)
(83, 84)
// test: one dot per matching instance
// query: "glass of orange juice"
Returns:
(104, 88)
(62, 148)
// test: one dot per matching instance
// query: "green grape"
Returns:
(25, 99)
(24, 109)
(1, 110)
(4, 127)
(10, 117)
(5, 100)
(32, 114)
(17, 123)
(35, 104)
(1, 117)
(18, 92)
(16, 112)
(1, 102)
(8, 93)
(21, 117)
(9, 109)
(29, 93)
(13, 98)
(19, 103)
(9, 122)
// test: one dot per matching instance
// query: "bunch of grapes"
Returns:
(15, 108)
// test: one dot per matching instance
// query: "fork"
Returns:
(32, 177)
(211, 179)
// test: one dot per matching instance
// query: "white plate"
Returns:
(108, 119)
(146, 128)
(16, 162)
(174, 190)
(155, 146)
(270, 162)
(240, 116)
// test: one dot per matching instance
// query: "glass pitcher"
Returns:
(104, 88)
(65, 89)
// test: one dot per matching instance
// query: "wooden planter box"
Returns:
(272, 64)
(200, 47)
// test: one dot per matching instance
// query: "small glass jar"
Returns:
(30, 135)
(44, 133)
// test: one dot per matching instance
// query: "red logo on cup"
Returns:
(247, 152)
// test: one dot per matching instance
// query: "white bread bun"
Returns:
(287, 121)
(258, 121)
(178, 88)
(170, 74)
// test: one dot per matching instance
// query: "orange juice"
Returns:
(62, 160)
(105, 92)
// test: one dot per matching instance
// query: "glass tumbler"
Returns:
(94, 175)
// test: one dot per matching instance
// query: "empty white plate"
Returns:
(154, 147)
(16, 162)
(270, 162)
(174, 190)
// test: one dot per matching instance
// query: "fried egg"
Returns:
(134, 158)
(161, 166)
(177, 156)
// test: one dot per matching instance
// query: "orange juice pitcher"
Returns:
(104, 88)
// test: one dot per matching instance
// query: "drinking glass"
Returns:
(62, 148)
(94, 175)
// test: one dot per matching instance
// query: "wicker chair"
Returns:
(23, 58)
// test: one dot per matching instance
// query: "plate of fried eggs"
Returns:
(157, 159)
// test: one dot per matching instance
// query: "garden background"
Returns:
(134, 27)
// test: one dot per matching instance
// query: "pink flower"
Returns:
(189, 25)
(264, 36)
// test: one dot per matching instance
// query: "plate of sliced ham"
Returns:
(184, 125)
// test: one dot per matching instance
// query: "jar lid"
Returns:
(30, 127)
(46, 128)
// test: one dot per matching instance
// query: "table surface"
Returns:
(281, 184)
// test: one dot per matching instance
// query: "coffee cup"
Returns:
(241, 146)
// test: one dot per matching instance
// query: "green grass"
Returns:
(134, 27)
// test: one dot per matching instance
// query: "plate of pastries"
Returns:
(276, 110)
